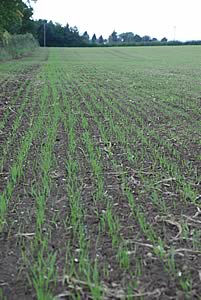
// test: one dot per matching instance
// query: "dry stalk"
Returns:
(114, 293)
(171, 222)
(165, 180)
(192, 219)
(197, 213)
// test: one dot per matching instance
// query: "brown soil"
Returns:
(154, 282)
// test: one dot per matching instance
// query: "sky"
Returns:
(173, 19)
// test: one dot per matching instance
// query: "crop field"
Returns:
(100, 174)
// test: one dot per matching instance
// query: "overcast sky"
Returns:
(157, 18)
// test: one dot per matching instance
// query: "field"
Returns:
(100, 174)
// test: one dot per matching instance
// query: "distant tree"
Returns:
(164, 40)
(66, 32)
(85, 37)
(137, 38)
(146, 38)
(39, 24)
(101, 40)
(51, 39)
(94, 39)
(113, 38)
(58, 35)
(154, 40)
(75, 30)
(74, 38)
(127, 37)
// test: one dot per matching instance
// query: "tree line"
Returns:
(16, 18)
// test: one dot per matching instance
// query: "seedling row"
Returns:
(100, 173)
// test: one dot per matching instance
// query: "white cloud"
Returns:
(156, 18)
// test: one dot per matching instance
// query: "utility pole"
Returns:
(44, 35)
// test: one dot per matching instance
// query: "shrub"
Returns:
(16, 46)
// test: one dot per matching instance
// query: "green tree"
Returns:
(127, 37)
(113, 38)
(25, 23)
(12, 13)
(58, 35)
(101, 40)
(94, 39)
(164, 40)
(146, 38)
(39, 25)
(85, 37)
(137, 38)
